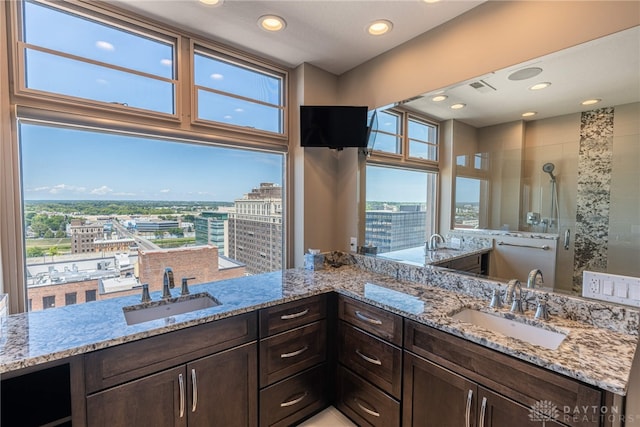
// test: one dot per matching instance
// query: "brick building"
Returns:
(83, 235)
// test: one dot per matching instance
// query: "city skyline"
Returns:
(70, 164)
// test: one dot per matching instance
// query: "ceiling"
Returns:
(329, 34)
(607, 68)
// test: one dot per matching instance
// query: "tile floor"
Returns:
(330, 417)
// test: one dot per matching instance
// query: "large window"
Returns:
(67, 53)
(238, 94)
(401, 185)
(106, 212)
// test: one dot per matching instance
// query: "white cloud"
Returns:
(216, 76)
(124, 194)
(166, 62)
(56, 189)
(101, 44)
(101, 191)
(102, 81)
(165, 190)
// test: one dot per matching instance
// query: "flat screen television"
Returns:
(333, 126)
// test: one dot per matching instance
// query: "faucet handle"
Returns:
(542, 312)
(185, 286)
(496, 299)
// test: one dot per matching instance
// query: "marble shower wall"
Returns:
(593, 201)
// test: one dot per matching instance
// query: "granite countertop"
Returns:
(418, 256)
(592, 352)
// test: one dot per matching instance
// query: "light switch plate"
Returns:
(611, 288)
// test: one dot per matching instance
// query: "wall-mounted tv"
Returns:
(333, 126)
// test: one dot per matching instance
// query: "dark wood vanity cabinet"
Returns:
(478, 263)
(293, 355)
(370, 364)
(200, 376)
(447, 378)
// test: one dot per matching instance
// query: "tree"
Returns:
(35, 251)
(53, 250)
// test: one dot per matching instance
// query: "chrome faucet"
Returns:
(514, 296)
(432, 243)
(542, 311)
(533, 275)
(167, 283)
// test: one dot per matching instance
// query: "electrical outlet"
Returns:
(353, 244)
(611, 287)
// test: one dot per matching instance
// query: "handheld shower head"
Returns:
(548, 168)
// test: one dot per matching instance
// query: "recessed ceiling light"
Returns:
(591, 101)
(271, 23)
(529, 114)
(212, 2)
(439, 98)
(539, 86)
(379, 27)
(525, 73)
(457, 106)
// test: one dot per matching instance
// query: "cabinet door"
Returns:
(157, 400)
(223, 389)
(499, 411)
(436, 397)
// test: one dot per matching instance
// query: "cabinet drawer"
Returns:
(364, 403)
(286, 402)
(125, 362)
(371, 358)
(513, 378)
(374, 320)
(291, 315)
(290, 352)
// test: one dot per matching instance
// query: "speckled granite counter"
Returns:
(598, 350)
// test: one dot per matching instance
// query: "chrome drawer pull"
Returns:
(294, 315)
(482, 411)
(467, 414)
(373, 360)
(294, 353)
(294, 401)
(367, 410)
(194, 389)
(181, 382)
(368, 319)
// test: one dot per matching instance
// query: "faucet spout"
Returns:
(167, 283)
(514, 296)
(432, 243)
(532, 279)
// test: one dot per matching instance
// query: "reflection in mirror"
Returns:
(568, 172)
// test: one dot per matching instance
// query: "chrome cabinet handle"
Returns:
(194, 389)
(373, 360)
(482, 411)
(294, 401)
(567, 236)
(467, 414)
(181, 382)
(367, 410)
(294, 353)
(368, 319)
(294, 315)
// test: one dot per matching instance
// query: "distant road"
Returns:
(140, 241)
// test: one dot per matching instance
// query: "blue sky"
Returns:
(65, 164)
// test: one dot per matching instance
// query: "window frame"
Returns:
(103, 16)
(243, 60)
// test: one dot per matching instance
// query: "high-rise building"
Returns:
(212, 229)
(392, 230)
(83, 235)
(255, 229)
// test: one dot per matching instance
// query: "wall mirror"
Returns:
(528, 152)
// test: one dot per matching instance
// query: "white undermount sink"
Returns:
(529, 333)
(154, 310)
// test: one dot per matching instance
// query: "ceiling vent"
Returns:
(482, 86)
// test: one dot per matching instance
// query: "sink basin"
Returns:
(154, 310)
(531, 334)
